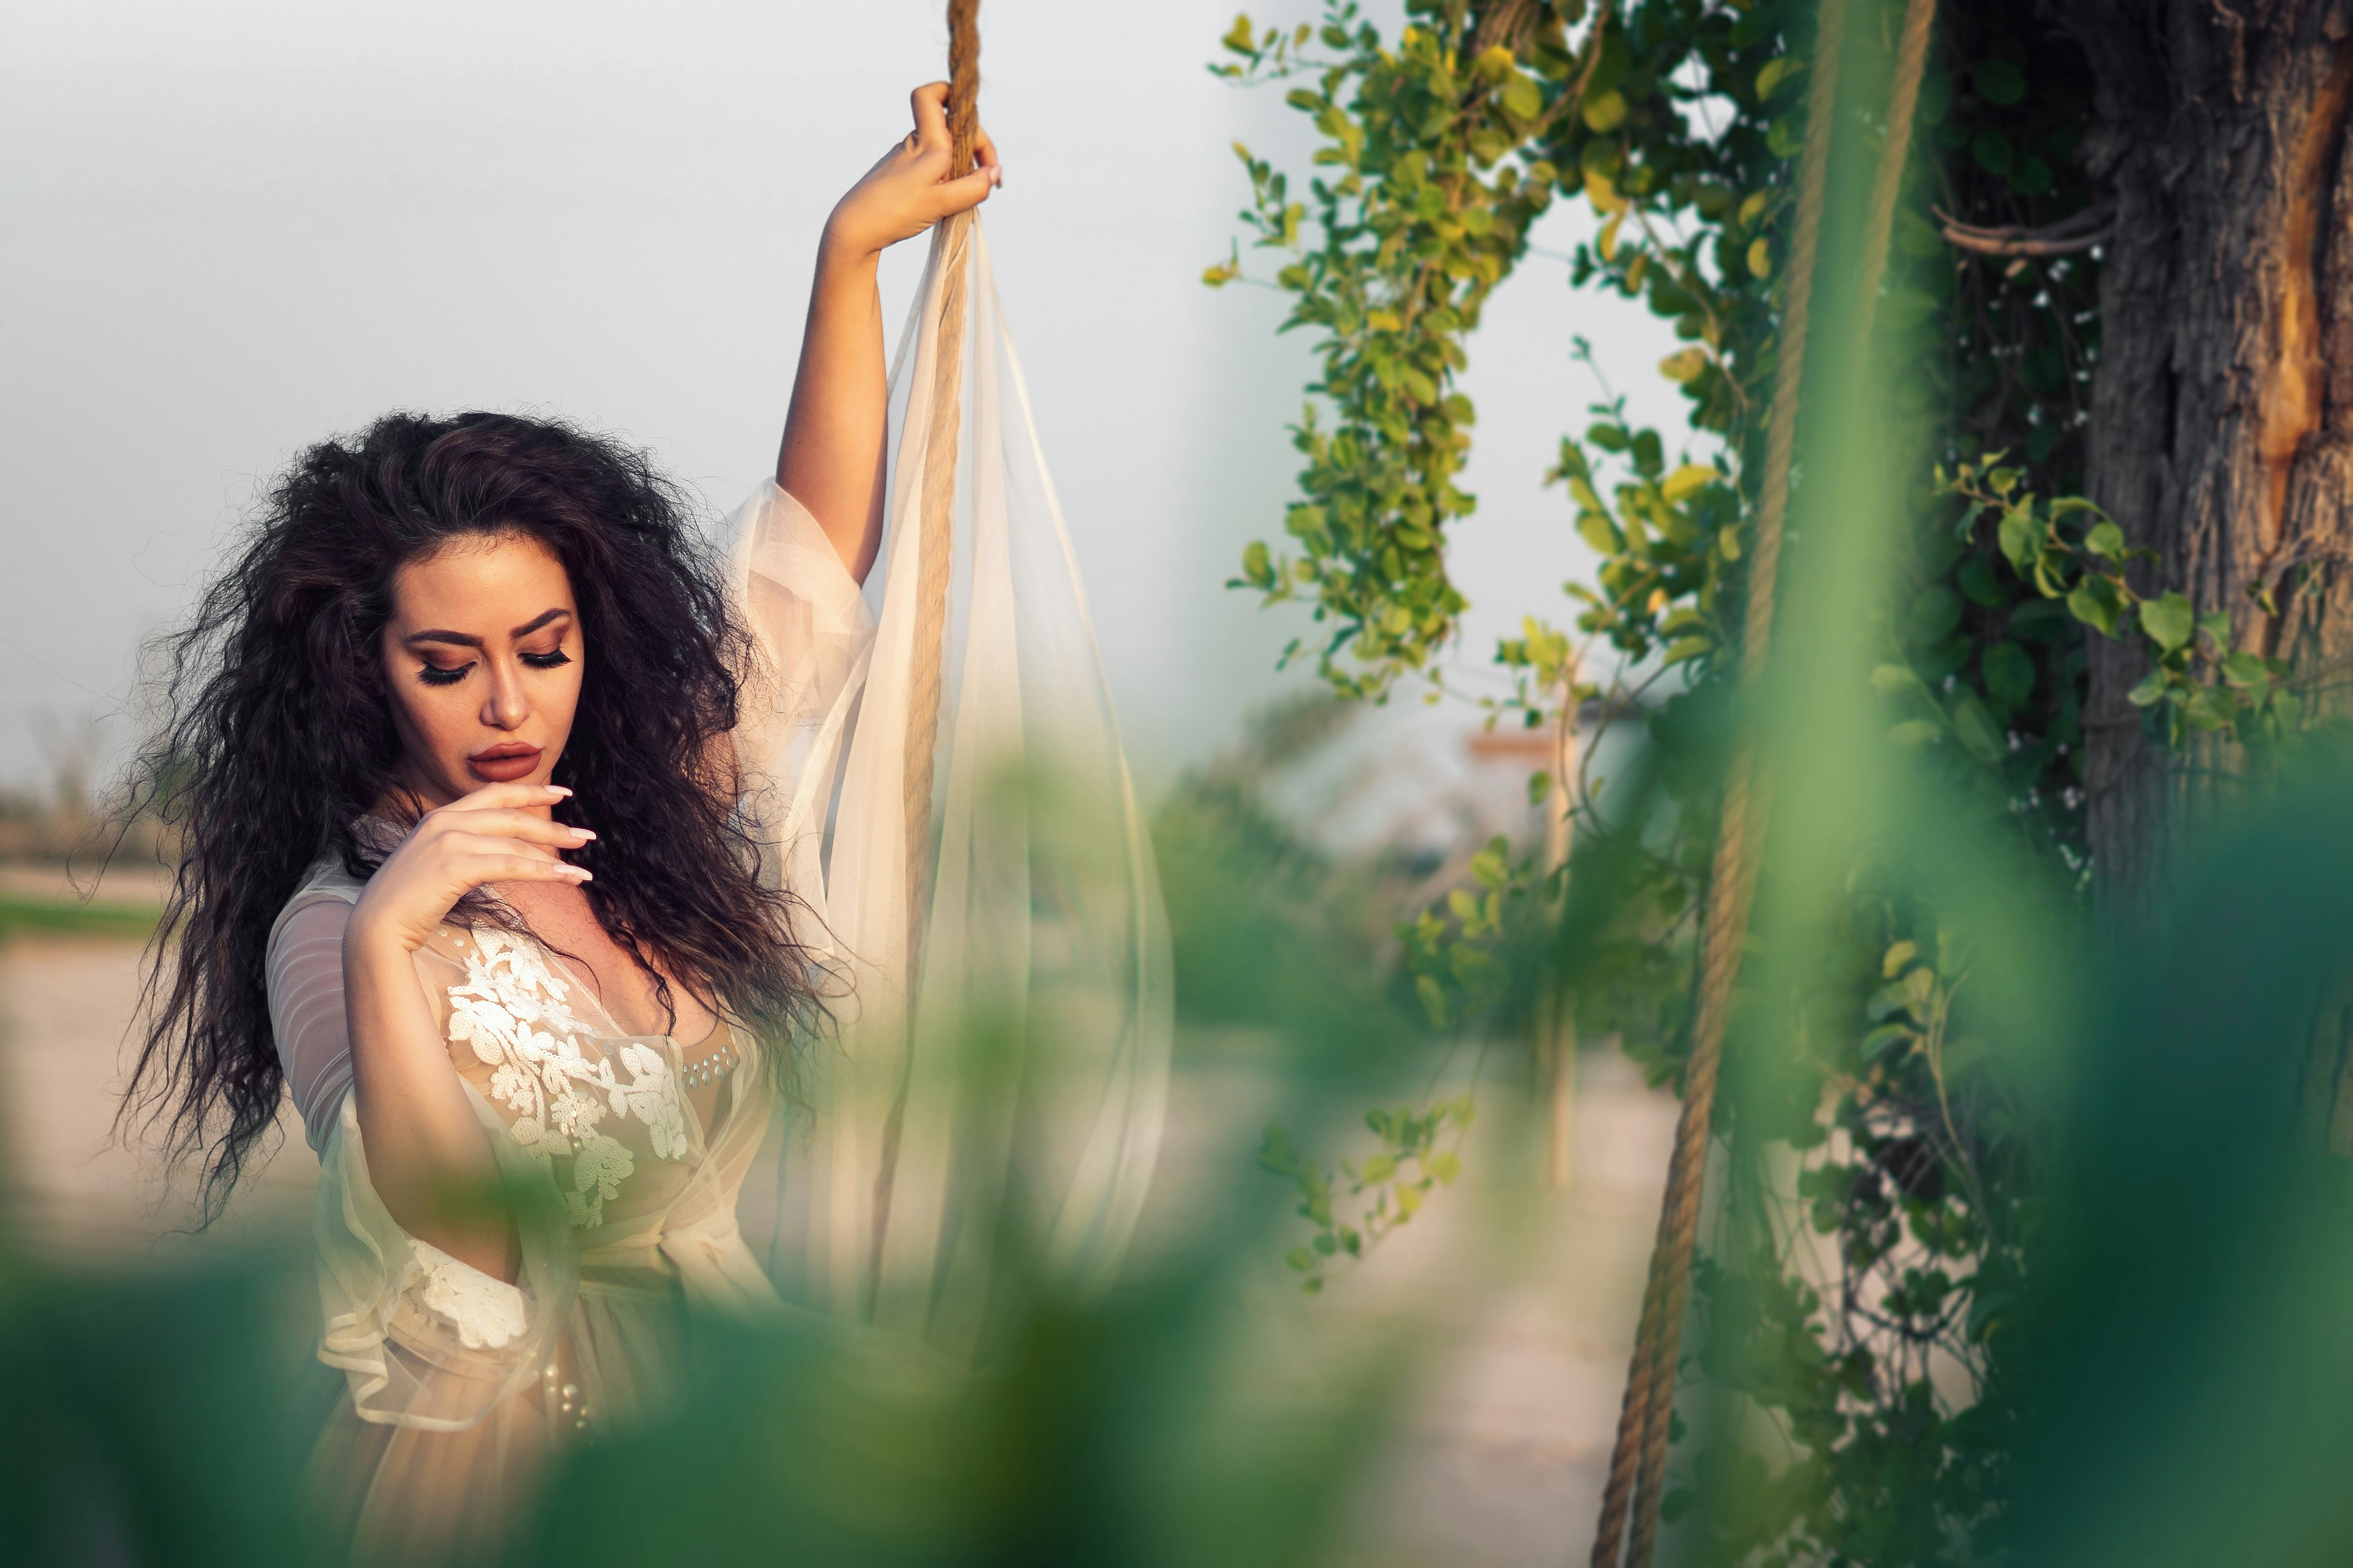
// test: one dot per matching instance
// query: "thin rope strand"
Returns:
(1741, 832)
(1633, 1483)
(936, 547)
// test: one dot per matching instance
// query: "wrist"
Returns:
(844, 255)
(370, 943)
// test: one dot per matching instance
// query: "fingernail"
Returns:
(584, 833)
(559, 789)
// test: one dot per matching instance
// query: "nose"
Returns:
(505, 707)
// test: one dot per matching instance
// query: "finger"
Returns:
(517, 869)
(493, 798)
(524, 825)
(930, 104)
(952, 196)
(984, 155)
(461, 848)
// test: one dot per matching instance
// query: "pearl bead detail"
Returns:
(709, 1069)
(570, 1408)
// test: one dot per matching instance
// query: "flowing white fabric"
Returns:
(1006, 1106)
(460, 1385)
(1024, 1073)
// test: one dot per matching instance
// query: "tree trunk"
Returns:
(2222, 425)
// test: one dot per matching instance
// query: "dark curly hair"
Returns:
(276, 738)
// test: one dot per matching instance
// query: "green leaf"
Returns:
(1686, 482)
(2169, 621)
(1760, 258)
(1898, 959)
(1896, 680)
(2106, 540)
(1916, 731)
(1980, 735)
(1932, 615)
(1991, 149)
(1434, 1000)
(1775, 72)
(1604, 111)
(2021, 538)
(1522, 99)
(1379, 1168)
(1998, 81)
(1688, 648)
(2150, 691)
(1299, 1257)
(1979, 585)
(2095, 602)
(2213, 707)
(1686, 365)
(1258, 567)
(2009, 673)
(1887, 1035)
(2242, 669)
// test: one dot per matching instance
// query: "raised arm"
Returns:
(832, 457)
(428, 1154)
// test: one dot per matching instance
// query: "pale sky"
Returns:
(233, 228)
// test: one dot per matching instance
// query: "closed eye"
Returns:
(434, 674)
(553, 658)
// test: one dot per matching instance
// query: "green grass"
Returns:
(23, 916)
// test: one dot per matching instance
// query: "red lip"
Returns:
(504, 763)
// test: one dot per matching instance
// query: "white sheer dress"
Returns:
(912, 1159)
(459, 1386)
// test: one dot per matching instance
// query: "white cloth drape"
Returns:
(1004, 1110)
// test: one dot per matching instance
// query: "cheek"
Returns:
(559, 700)
(427, 720)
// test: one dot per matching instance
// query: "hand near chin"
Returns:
(494, 835)
(910, 190)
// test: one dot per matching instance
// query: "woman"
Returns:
(451, 747)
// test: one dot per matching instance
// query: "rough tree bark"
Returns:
(2221, 427)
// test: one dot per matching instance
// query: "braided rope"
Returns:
(936, 546)
(1638, 1462)
(1650, 1378)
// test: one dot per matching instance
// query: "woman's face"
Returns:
(482, 657)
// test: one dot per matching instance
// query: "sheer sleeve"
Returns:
(814, 633)
(423, 1339)
(306, 1009)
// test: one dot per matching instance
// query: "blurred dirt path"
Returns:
(84, 1198)
(1522, 1302)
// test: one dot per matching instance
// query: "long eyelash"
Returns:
(555, 658)
(434, 674)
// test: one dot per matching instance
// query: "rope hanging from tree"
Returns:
(1639, 1461)
(937, 546)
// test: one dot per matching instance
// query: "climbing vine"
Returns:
(1878, 1347)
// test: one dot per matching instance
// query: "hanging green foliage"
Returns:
(1675, 124)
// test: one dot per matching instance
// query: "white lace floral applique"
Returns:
(512, 1011)
(488, 1314)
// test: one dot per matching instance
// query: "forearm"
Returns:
(832, 457)
(428, 1154)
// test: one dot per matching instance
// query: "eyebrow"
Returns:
(462, 640)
